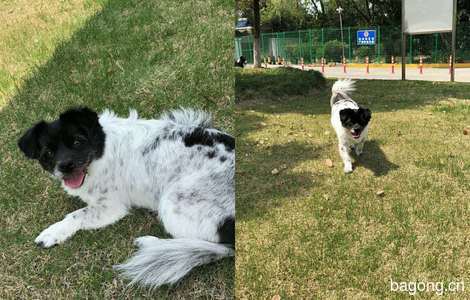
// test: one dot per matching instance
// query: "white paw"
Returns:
(348, 168)
(145, 241)
(53, 235)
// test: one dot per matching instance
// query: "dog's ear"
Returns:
(366, 114)
(29, 142)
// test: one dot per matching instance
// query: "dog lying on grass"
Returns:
(178, 166)
(350, 121)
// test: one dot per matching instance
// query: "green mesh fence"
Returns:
(313, 44)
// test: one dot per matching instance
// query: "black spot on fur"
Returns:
(180, 197)
(200, 136)
(211, 154)
(222, 158)
(151, 147)
(227, 140)
(226, 231)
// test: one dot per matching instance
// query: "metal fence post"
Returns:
(411, 49)
(283, 44)
(309, 41)
(378, 44)
(350, 46)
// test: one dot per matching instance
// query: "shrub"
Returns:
(334, 51)
(363, 52)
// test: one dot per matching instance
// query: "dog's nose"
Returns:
(66, 166)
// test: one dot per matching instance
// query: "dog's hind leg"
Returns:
(195, 212)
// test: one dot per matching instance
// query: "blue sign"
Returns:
(366, 37)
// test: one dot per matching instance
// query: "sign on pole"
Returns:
(366, 37)
(428, 16)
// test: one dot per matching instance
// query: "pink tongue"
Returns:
(75, 181)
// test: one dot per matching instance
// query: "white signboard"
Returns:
(427, 16)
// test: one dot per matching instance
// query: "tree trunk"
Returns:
(256, 35)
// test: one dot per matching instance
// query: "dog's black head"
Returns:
(66, 146)
(355, 120)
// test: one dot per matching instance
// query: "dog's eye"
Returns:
(48, 153)
(78, 141)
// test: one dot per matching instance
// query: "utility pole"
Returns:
(340, 10)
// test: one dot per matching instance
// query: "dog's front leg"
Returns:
(344, 153)
(90, 217)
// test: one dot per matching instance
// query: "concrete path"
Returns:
(412, 73)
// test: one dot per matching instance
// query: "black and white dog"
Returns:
(350, 121)
(178, 166)
(241, 62)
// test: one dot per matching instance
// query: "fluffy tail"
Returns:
(342, 89)
(188, 117)
(165, 261)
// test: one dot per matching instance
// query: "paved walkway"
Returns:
(412, 73)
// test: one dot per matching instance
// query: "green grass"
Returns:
(117, 54)
(311, 231)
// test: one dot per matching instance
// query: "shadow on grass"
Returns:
(258, 189)
(148, 55)
(374, 159)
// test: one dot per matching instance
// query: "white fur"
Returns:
(341, 99)
(170, 259)
(191, 193)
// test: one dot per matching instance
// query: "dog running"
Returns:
(349, 120)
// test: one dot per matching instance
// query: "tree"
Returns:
(281, 15)
(256, 34)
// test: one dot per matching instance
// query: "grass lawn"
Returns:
(117, 54)
(311, 231)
